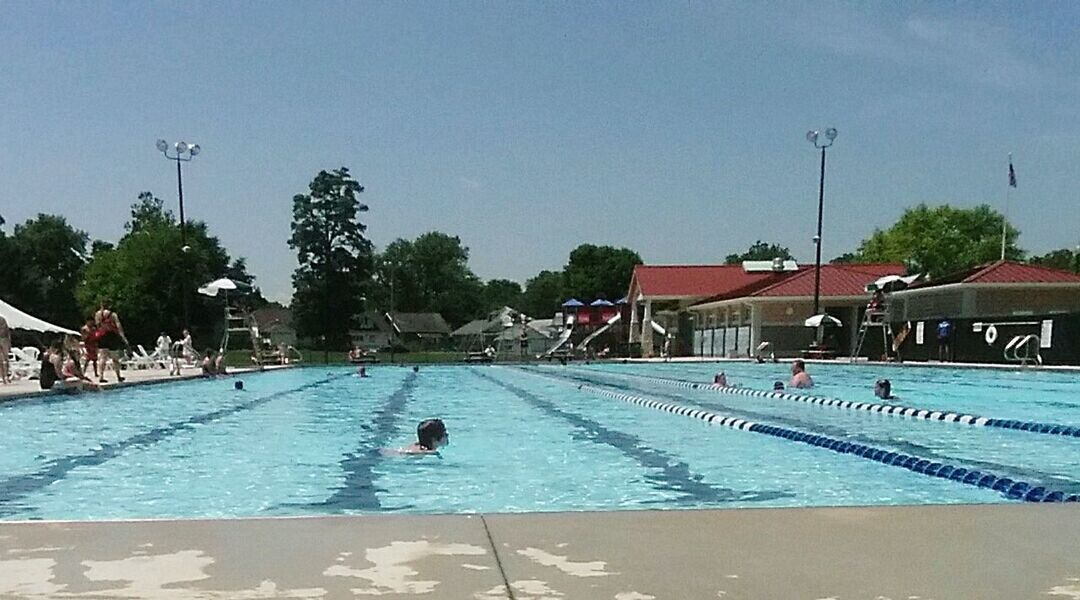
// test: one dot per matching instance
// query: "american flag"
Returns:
(1012, 173)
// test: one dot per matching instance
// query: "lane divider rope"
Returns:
(885, 409)
(1013, 489)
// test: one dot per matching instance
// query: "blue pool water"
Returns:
(307, 441)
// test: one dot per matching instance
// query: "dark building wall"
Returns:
(969, 345)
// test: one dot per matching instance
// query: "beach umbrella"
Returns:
(573, 303)
(822, 321)
(212, 288)
(891, 282)
(601, 302)
(622, 300)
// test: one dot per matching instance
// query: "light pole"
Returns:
(182, 152)
(813, 137)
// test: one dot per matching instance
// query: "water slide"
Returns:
(593, 335)
(563, 337)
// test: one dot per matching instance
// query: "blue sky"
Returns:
(676, 129)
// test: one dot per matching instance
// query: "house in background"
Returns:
(420, 331)
(478, 334)
(372, 331)
(275, 325)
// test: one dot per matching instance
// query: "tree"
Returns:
(143, 275)
(237, 271)
(501, 292)
(335, 259)
(1064, 259)
(599, 272)
(941, 240)
(43, 265)
(759, 250)
(430, 274)
(543, 294)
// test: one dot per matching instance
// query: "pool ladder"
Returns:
(1020, 350)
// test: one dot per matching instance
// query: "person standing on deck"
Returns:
(5, 348)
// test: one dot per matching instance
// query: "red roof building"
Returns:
(737, 324)
(997, 289)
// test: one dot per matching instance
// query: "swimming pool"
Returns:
(543, 438)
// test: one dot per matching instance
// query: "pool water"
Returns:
(309, 441)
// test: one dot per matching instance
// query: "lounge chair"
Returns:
(140, 359)
(21, 366)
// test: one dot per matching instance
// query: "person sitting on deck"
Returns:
(799, 377)
(208, 364)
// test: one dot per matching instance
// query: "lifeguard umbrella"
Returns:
(822, 321)
(601, 302)
(890, 283)
(573, 303)
(212, 288)
(17, 319)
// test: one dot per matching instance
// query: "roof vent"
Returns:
(776, 265)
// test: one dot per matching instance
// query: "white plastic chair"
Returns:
(21, 366)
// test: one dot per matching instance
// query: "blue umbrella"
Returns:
(573, 303)
(601, 302)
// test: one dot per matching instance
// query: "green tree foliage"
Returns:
(599, 272)
(430, 274)
(543, 294)
(760, 250)
(1064, 259)
(42, 263)
(335, 259)
(502, 292)
(143, 275)
(942, 239)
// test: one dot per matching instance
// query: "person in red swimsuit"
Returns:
(111, 339)
(90, 341)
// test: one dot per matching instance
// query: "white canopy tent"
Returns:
(17, 319)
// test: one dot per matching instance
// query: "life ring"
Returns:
(991, 335)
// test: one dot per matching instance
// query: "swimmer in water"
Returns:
(361, 372)
(799, 377)
(415, 369)
(883, 389)
(778, 386)
(238, 386)
(430, 436)
(720, 379)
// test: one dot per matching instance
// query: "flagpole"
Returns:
(1005, 217)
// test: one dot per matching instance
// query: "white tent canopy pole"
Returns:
(17, 319)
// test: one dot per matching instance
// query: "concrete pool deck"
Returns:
(1008, 551)
(29, 388)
